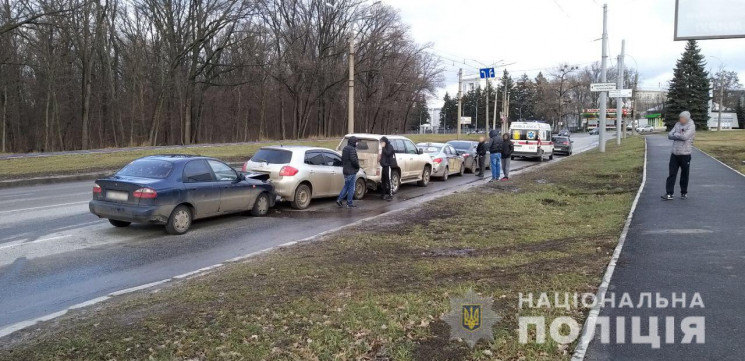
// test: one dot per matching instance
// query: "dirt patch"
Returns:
(450, 252)
(438, 346)
(553, 202)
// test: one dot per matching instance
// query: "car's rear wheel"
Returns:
(462, 170)
(551, 157)
(447, 174)
(395, 181)
(261, 205)
(117, 223)
(302, 197)
(180, 220)
(360, 188)
(426, 175)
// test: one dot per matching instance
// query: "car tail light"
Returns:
(288, 171)
(96, 188)
(466, 155)
(566, 143)
(437, 160)
(245, 165)
(145, 193)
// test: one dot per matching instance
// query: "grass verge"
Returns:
(377, 291)
(92, 162)
(727, 146)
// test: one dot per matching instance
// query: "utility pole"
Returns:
(486, 96)
(721, 98)
(460, 101)
(350, 106)
(603, 79)
(633, 103)
(494, 119)
(619, 101)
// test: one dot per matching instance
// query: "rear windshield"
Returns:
(524, 134)
(272, 156)
(461, 145)
(561, 139)
(430, 149)
(147, 168)
(363, 145)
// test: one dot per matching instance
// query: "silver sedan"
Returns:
(445, 160)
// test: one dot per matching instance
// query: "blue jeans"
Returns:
(496, 162)
(348, 190)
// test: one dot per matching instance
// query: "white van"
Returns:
(532, 140)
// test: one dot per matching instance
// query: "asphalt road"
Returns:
(55, 254)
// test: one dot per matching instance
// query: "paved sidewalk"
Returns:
(682, 246)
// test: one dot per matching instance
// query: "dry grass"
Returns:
(727, 146)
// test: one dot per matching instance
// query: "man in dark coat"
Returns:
(387, 161)
(481, 154)
(507, 149)
(494, 145)
(350, 166)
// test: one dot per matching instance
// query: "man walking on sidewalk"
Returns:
(350, 166)
(682, 136)
(494, 145)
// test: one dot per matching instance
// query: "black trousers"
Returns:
(385, 179)
(684, 163)
(482, 163)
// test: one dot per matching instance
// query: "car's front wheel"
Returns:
(117, 223)
(360, 188)
(261, 205)
(302, 197)
(180, 220)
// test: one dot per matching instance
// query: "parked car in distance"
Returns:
(467, 149)
(645, 129)
(445, 159)
(413, 165)
(594, 131)
(563, 145)
(565, 133)
(301, 173)
(177, 189)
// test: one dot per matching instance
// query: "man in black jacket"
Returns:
(481, 154)
(507, 148)
(350, 167)
(494, 145)
(387, 161)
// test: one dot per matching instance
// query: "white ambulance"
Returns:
(532, 140)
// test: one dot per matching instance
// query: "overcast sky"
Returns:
(540, 34)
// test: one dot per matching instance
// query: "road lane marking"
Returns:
(40, 198)
(22, 243)
(42, 207)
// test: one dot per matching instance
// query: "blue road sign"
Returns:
(486, 73)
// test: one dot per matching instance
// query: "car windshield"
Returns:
(272, 156)
(147, 168)
(461, 145)
(561, 139)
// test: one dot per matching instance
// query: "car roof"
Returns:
(175, 157)
(373, 136)
(296, 148)
(432, 144)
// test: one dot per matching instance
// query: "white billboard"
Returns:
(709, 19)
(465, 120)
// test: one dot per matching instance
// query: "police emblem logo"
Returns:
(471, 318)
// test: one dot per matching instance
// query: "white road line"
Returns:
(588, 332)
(22, 243)
(42, 207)
(40, 198)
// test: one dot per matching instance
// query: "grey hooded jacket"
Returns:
(682, 136)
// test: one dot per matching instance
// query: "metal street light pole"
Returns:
(350, 100)
(619, 101)
(460, 102)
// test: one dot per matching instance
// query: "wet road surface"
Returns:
(55, 254)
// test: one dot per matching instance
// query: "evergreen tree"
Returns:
(689, 89)
(449, 112)
(524, 99)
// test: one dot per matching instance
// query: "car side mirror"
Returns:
(241, 177)
(420, 151)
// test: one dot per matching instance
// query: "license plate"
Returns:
(117, 196)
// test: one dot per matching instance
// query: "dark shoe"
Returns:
(339, 203)
(351, 206)
(389, 198)
(504, 179)
(667, 197)
(684, 196)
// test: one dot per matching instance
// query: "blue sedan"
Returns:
(174, 190)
